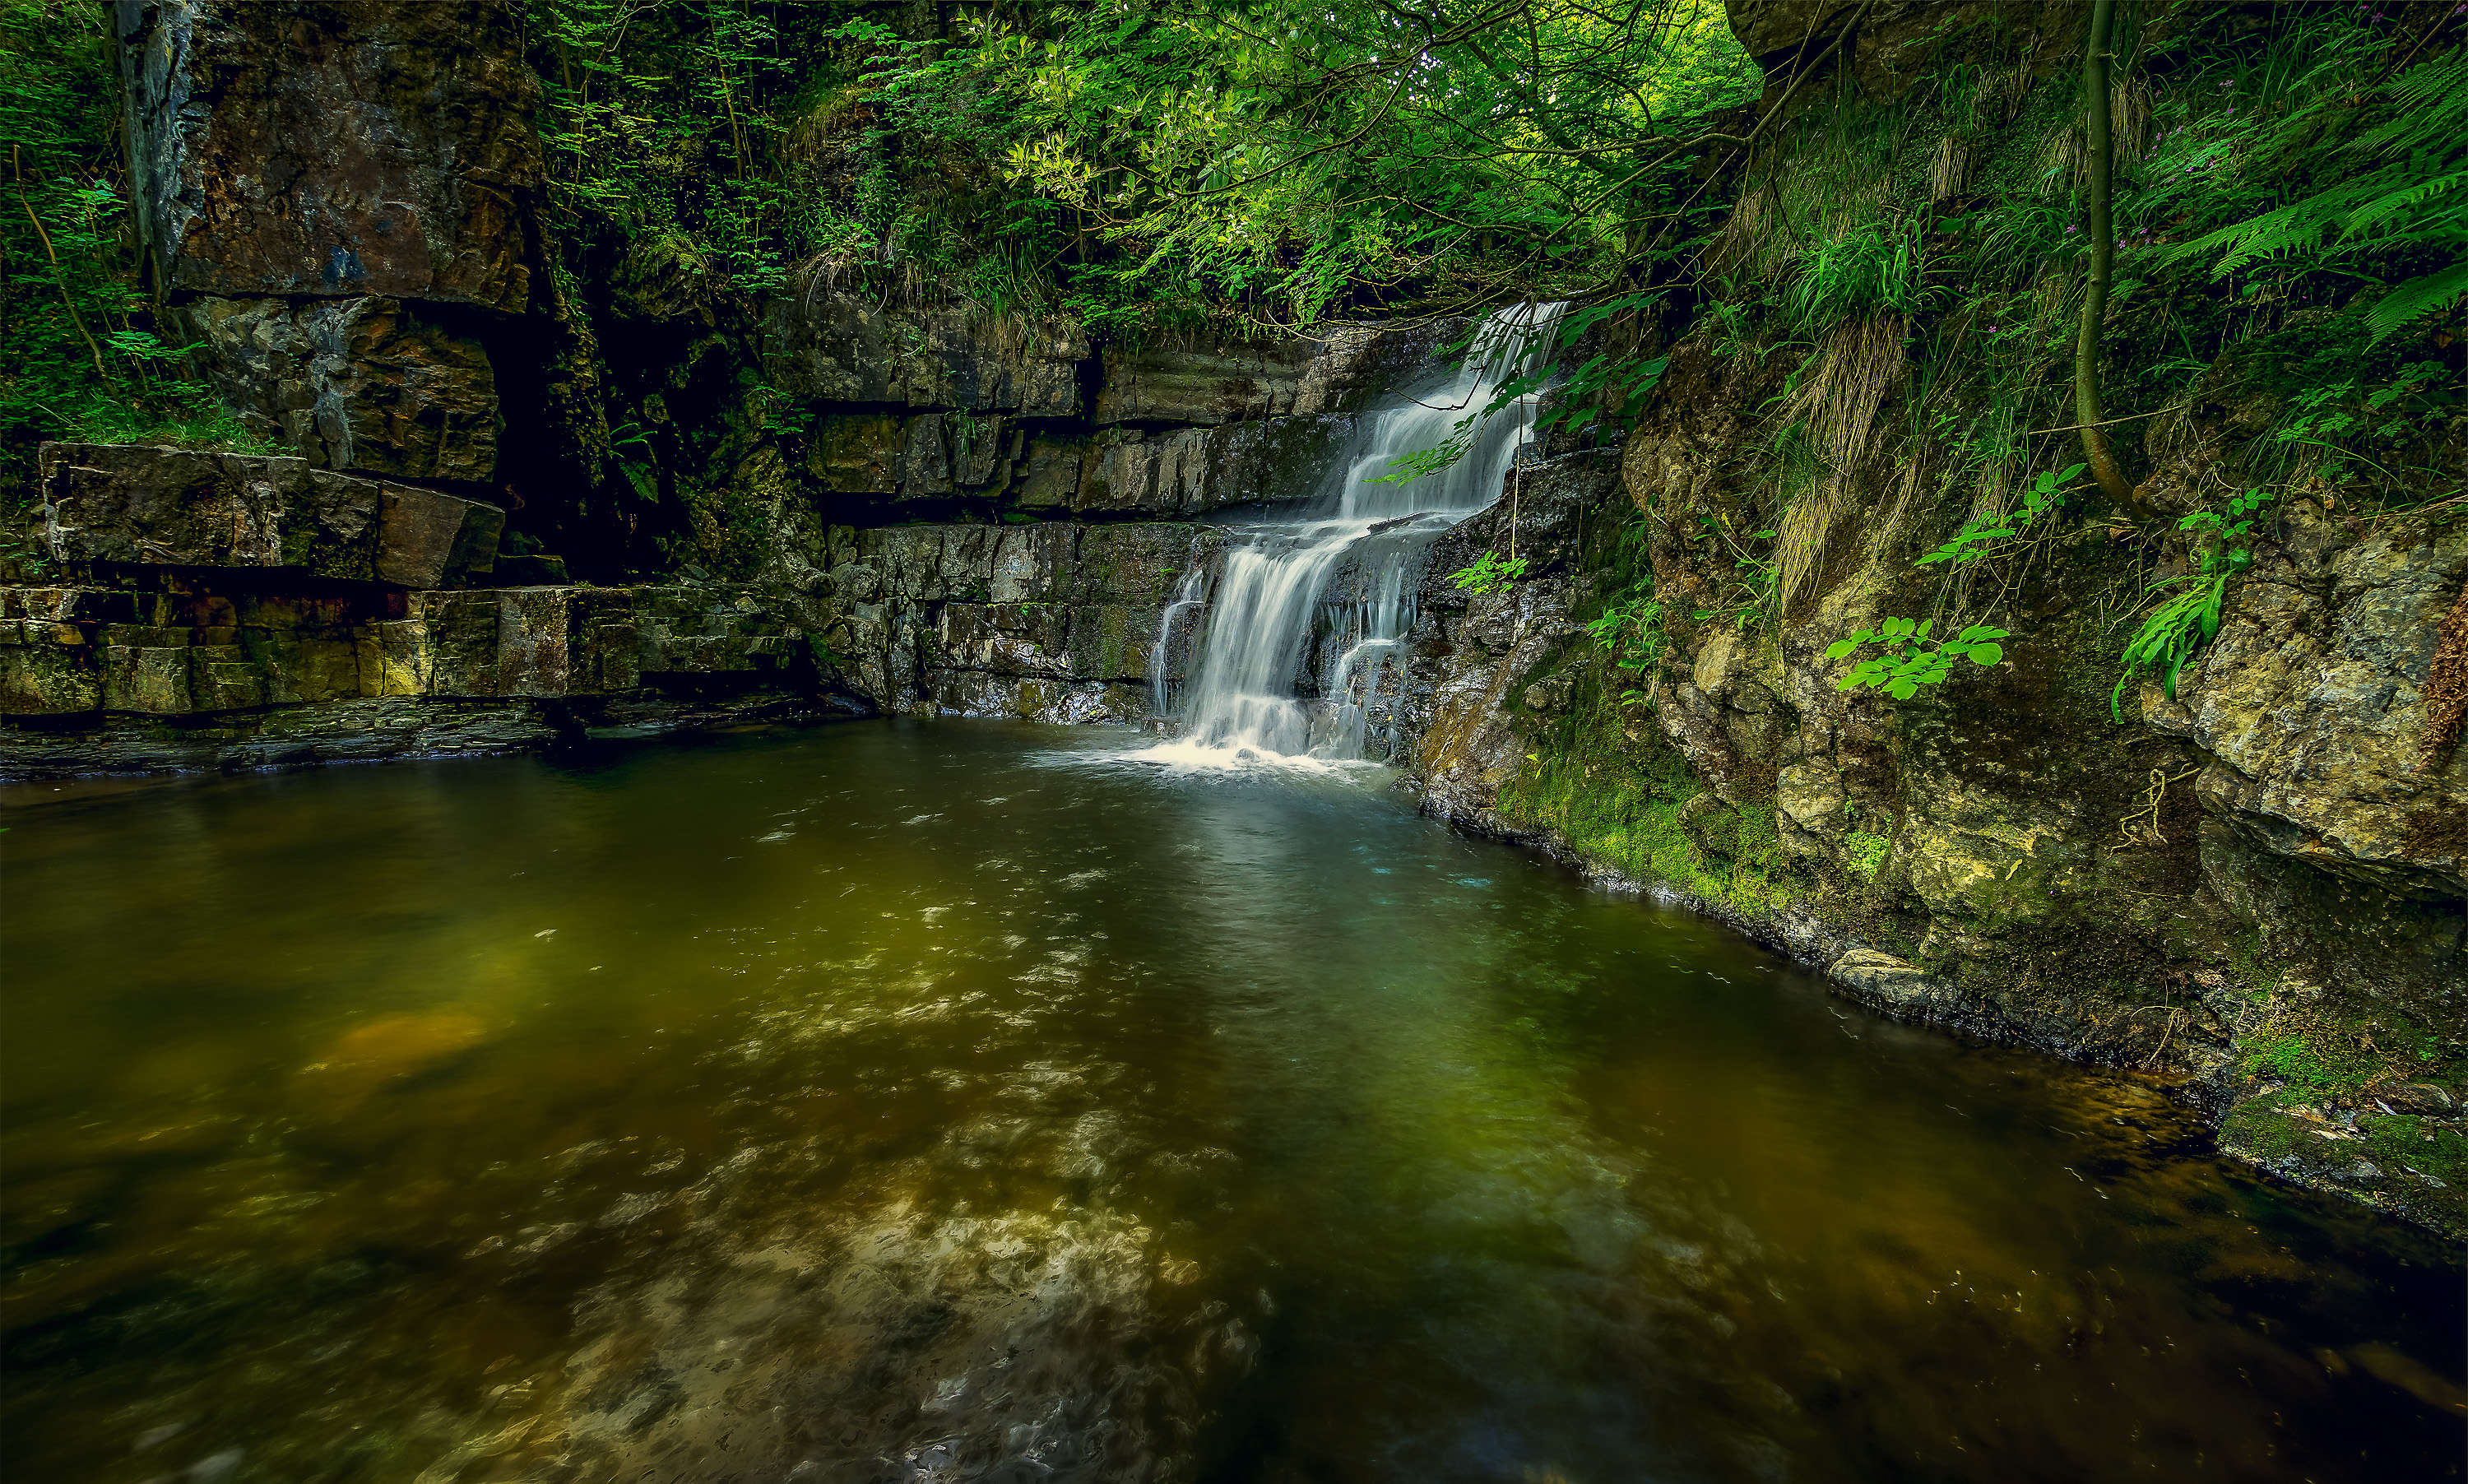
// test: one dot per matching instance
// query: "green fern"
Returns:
(2394, 194)
(2409, 302)
(2169, 637)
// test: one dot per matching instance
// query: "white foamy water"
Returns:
(1300, 637)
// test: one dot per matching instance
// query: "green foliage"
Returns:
(2171, 635)
(1143, 163)
(2365, 200)
(2191, 618)
(1869, 270)
(1630, 632)
(630, 449)
(1489, 573)
(667, 120)
(1978, 536)
(1864, 854)
(81, 356)
(2231, 526)
(1910, 659)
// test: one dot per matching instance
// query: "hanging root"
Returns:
(2128, 836)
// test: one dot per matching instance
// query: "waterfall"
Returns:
(1299, 637)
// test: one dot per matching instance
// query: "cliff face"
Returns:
(2252, 886)
(871, 507)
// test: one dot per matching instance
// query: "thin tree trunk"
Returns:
(57, 277)
(2103, 252)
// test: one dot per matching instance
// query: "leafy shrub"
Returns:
(1910, 659)
(1975, 541)
(1865, 853)
(1489, 573)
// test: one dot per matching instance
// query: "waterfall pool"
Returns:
(897, 1101)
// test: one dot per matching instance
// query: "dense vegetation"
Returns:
(2290, 218)
(1148, 162)
(78, 355)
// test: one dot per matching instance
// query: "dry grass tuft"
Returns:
(1859, 363)
(1744, 234)
(2446, 690)
(1948, 169)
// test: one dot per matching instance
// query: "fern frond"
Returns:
(2402, 199)
(2436, 91)
(2413, 301)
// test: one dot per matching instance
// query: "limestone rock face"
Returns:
(2310, 706)
(937, 404)
(1478, 655)
(1211, 380)
(1185, 472)
(1052, 622)
(177, 506)
(362, 147)
(371, 384)
(837, 347)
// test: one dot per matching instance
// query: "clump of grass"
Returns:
(1868, 270)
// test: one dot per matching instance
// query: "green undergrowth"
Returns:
(1617, 799)
(2328, 1053)
(81, 356)
(1864, 854)
(1897, 295)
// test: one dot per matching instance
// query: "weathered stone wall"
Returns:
(340, 203)
(1049, 622)
(119, 504)
(357, 146)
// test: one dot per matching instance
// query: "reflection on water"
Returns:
(977, 1103)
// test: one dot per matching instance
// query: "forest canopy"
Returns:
(1141, 160)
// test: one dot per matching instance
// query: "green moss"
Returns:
(1618, 801)
(2328, 1055)
(2261, 1132)
(2420, 1143)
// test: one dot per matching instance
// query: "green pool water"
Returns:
(982, 1102)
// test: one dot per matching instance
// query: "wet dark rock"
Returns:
(176, 507)
(1209, 381)
(370, 384)
(842, 348)
(2422, 1099)
(341, 149)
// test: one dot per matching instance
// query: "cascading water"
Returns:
(1286, 667)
